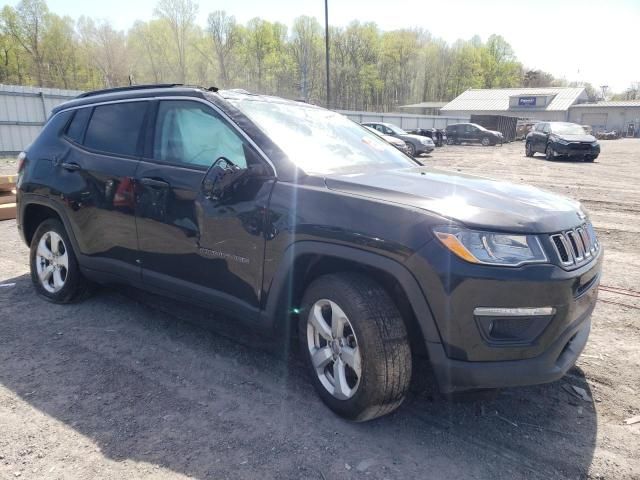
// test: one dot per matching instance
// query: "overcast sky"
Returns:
(592, 41)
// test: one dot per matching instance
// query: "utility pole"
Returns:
(326, 48)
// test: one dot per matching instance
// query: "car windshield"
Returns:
(320, 141)
(567, 129)
(396, 130)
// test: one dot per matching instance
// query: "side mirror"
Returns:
(222, 174)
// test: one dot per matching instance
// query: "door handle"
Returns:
(154, 182)
(70, 166)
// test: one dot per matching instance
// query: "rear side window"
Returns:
(75, 130)
(116, 128)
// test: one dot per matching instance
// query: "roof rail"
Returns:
(130, 87)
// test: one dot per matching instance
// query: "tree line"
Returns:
(370, 69)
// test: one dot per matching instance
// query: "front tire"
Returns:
(55, 272)
(549, 153)
(355, 345)
(412, 149)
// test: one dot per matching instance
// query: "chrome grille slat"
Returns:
(575, 247)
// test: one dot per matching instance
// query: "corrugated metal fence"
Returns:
(406, 121)
(23, 111)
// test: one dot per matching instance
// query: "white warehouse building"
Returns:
(558, 104)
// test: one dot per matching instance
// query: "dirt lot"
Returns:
(126, 385)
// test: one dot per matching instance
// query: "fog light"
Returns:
(512, 326)
(513, 312)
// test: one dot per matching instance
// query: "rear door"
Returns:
(200, 247)
(105, 143)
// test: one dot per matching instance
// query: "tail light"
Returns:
(21, 159)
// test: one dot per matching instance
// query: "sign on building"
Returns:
(527, 101)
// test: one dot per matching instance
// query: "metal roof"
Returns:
(498, 99)
(425, 105)
(615, 103)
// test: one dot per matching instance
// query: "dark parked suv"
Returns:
(281, 213)
(472, 133)
(561, 139)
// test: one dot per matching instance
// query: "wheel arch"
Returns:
(34, 210)
(305, 261)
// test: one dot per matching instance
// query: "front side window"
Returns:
(395, 130)
(191, 133)
(320, 141)
(115, 128)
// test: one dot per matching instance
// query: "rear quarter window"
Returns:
(75, 130)
(116, 128)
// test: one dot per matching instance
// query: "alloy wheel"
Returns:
(486, 142)
(52, 262)
(334, 350)
(412, 149)
(549, 152)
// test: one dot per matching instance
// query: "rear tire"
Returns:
(55, 272)
(486, 141)
(528, 150)
(348, 316)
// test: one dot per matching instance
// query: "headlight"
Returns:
(491, 248)
(426, 141)
(595, 144)
(561, 141)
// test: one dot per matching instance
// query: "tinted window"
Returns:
(115, 128)
(75, 130)
(192, 133)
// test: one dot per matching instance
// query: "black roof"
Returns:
(165, 90)
(134, 91)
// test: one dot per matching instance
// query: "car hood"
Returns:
(415, 137)
(474, 201)
(393, 140)
(577, 138)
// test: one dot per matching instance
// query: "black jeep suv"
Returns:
(276, 211)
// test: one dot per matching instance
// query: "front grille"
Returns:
(576, 246)
(580, 146)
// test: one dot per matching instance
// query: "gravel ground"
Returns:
(127, 385)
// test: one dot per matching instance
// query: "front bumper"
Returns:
(557, 359)
(464, 358)
(425, 149)
(576, 150)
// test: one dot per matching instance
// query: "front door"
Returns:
(470, 134)
(202, 246)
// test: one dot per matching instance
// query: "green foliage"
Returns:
(369, 69)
